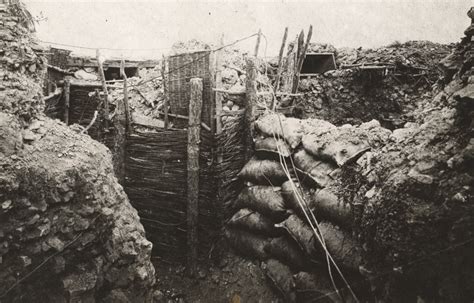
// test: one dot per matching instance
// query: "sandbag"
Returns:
(287, 251)
(301, 233)
(267, 200)
(326, 205)
(323, 203)
(273, 124)
(342, 145)
(246, 243)
(317, 126)
(263, 172)
(344, 249)
(272, 147)
(317, 171)
(254, 222)
(281, 277)
(291, 199)
(317, 288)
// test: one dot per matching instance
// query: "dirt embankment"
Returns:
(352, 95)
(67, 230)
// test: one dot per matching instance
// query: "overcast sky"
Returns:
(158, 24)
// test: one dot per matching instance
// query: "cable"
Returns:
(103, 48)
(197, 59)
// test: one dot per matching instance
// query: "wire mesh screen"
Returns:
(182, 68)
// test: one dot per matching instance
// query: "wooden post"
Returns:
(67, 94)
(128, 118)
(219, 86)
(280, 62)
(195, 109)
(258, 42)
(250, 102)
(120, 125)
(104, 88)
(165, 91)
(302, 49)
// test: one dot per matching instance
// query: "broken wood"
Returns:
(302, 49)
(104, 88)
(250, 103)
(280, 60)
(195, 110)
(67, 93)
(165, 91)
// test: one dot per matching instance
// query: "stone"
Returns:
(25, 261)
(56, 243)
(421, 178)
(7, 204)
(29, 136)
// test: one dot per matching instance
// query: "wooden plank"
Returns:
(250, 103)
(67, 94)
(195, 110)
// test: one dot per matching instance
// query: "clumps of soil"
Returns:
(232, 279)
(417, 200)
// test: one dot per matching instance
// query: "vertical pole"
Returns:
(258, 42)
(250, 101)
(128, 119)
(219, 86)
(195, 110)
(165, 91)
(67, 94)
(104, 88)
(280, 61)
(302, 56)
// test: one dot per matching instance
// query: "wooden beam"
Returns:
(67, 94)
(280, 61)
(250, 103)
(104, 88)
(165, 91)
(195, 110)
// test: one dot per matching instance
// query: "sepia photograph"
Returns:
(237, 151)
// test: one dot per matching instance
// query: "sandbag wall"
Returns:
(295, 174)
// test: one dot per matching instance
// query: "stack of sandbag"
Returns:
(290, 213)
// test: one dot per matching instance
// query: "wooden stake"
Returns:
(258, 42)
(250, 102)
(219, 87)
(195, 110)
(165, 91)
(302, 56)
(67, 94)
(128, 118)
(280, 61)
(104, 88)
